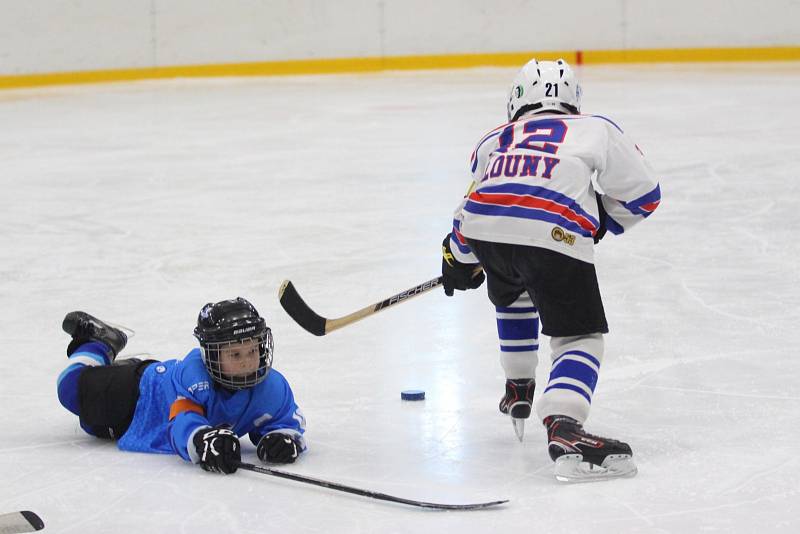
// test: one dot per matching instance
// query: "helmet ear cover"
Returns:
(227, 323)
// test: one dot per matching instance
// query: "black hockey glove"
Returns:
(218, 449)
(601, 230)
(457, 275)
(278, 448)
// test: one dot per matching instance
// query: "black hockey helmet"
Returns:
(226, 324)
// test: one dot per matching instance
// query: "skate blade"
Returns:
(571, 468)
(129, 332)
(519, 427)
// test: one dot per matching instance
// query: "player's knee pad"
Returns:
(573, 376)
(107, 398)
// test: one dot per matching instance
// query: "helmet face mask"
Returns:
(236, 344)
(544, 86)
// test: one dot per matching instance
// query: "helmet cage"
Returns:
(212, 351)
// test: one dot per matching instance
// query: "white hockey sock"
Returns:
(518, 331)
(573, 376)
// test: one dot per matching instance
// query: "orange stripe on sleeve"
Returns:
(184, 405)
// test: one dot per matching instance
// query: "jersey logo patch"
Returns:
(560, 235)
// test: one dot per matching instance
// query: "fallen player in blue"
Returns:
(197, 407)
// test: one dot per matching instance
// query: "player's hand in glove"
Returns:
(278, 448)
(218, 449)
(457, 275)
(601, 230)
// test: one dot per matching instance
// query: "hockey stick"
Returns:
(319, 326)
(365, 493)
(18, 522)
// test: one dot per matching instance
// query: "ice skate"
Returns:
(84, 328)
(517, 402)
(582, 457)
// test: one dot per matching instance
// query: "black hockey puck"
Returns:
(412, 395)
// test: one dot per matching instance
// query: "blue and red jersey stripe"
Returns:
(459, 240)
(532, 202)
(645, 204)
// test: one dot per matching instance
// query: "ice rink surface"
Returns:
(140, 202)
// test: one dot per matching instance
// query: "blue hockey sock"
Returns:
(91, 354)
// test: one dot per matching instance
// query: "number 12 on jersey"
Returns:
(540, 135)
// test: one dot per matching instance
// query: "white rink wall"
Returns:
(43, 36)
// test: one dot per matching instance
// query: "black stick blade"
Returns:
(300, 311)
(35, 521)
(19, 522)
(440, 506)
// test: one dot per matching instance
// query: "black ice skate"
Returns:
(84, 328)
(582, 457)
(517, 402)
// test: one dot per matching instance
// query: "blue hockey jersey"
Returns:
(178, 397)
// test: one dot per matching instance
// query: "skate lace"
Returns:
(518, 390)
(86, 328)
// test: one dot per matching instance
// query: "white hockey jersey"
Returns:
(533, 185)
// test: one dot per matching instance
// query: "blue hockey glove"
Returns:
(457, 275)
(278, 448)
(218, 449)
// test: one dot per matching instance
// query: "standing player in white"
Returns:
(546, 187)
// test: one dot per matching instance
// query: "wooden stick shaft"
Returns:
(403, 296)
(318, 325)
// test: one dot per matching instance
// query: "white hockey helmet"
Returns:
(544, 86)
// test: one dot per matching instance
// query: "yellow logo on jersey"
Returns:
(560, 235)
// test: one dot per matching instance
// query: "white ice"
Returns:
(139, 202)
